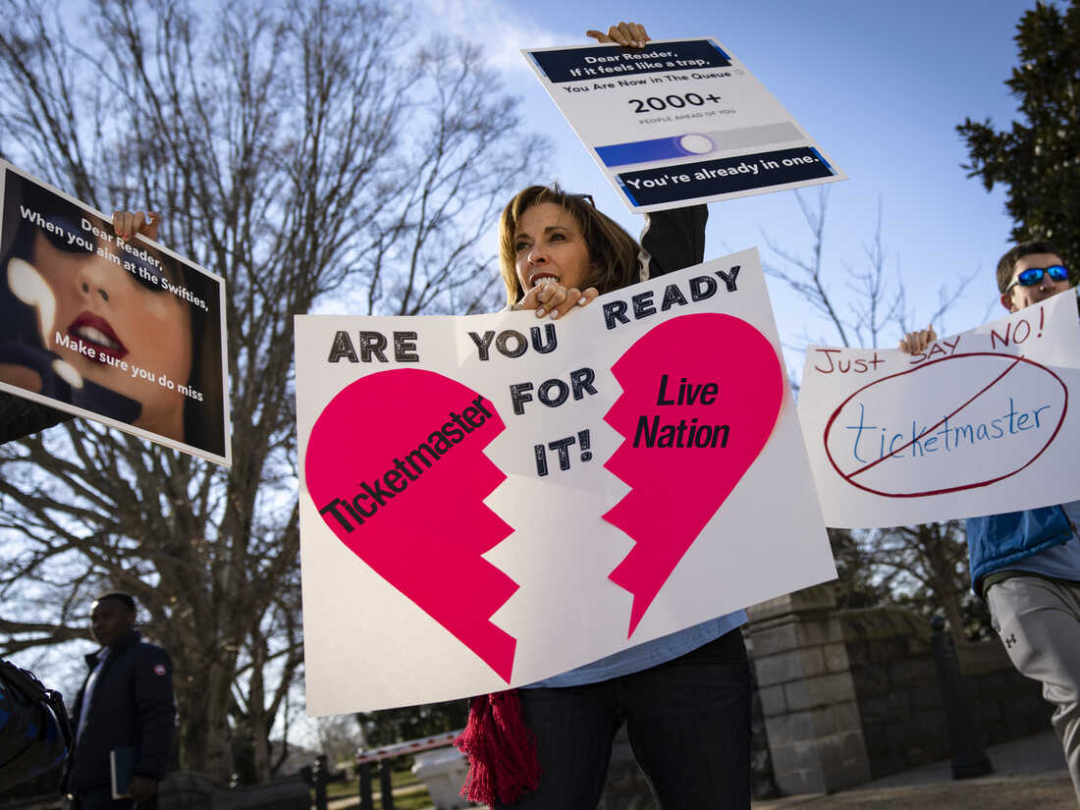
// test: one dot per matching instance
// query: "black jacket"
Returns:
(131, 705)
(674, 239)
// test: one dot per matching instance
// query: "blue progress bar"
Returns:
(620, 154)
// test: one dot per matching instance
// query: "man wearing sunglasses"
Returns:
(1029, 273)
(1026, 565)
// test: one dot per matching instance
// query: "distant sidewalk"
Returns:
(1049, 791)
(1028, 774)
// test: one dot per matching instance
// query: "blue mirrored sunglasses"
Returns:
(1033, 275)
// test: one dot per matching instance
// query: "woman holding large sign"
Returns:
(685, 697)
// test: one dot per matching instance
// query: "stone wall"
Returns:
(1007, 705)
(896, 684)
(852, 695)
(904, 724)
(847, 696)
(807, 693)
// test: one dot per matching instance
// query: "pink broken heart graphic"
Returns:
(701, 396)
(395, 466)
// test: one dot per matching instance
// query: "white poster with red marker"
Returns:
(979, 423)
(494, 499)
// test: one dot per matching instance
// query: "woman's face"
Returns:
(101, 305)
(548, 244)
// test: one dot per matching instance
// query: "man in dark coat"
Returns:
(126, 701)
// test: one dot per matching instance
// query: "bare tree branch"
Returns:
(931, 557)
(298, 152)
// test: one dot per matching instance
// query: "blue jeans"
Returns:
(688, 721)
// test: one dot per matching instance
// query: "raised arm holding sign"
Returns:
(1027, 564)
(982, 425)
(554, 246)
(576, 499)
(677, 122)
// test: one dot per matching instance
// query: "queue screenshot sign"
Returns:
(680, 122)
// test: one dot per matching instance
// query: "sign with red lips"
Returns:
(126, 333)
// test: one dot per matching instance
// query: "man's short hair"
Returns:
(119, 596)
(1007, 265)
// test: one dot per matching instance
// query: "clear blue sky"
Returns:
(881, 86)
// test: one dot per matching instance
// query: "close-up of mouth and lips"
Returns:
(95, 331)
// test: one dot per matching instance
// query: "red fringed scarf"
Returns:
(501, 750)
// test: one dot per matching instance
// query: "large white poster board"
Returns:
(980, 423)
(679, 122)
(491, 500)
(125, 333)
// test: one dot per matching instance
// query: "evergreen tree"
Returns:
(1038, 158)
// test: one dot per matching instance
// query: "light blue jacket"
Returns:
(998, 541)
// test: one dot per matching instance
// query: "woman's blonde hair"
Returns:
(613, 253)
